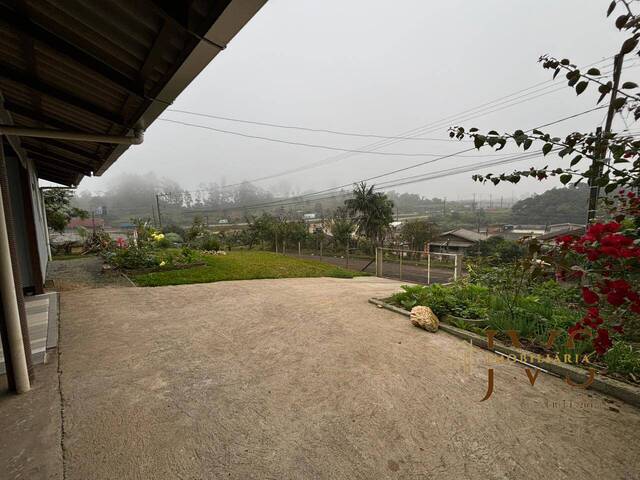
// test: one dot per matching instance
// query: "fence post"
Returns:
(347, 254)
(299, 250)
(429, 268)
(458, 268)
(400, 253)
(379, 261)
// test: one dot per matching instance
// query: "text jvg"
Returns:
(515, 340)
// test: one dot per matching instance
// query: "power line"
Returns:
(306, 129)
(421, 130)
(312, 145)
(443, 157)
(391, 183)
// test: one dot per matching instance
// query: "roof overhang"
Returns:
(104, 69)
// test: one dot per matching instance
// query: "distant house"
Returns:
(309, 216)
(564, 226)
(455, 241)
(550, 237)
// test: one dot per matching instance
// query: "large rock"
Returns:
(424, 317)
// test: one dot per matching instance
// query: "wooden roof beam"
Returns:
(33, 83)
(23, 24)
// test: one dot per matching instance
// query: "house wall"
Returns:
(40, 220)
(16, 172)
(20, 227)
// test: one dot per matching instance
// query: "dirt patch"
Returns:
(301, 378)
(83, 273)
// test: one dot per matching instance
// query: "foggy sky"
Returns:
(373, 66)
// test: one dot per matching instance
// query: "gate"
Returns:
(417, 266)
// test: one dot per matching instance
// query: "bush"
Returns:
(195, 231)
(173, 238)
(164, 243)
(173, 259)
(460, 300)
(496, 250)
(208, 243)
(132, 257)
(174, 229)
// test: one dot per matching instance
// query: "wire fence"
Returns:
(413, 266)
(417, 266)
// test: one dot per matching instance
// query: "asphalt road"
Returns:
(410, 272)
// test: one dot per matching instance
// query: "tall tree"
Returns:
(418, 232)
(341, 226)
(57, 204)
(372, 211)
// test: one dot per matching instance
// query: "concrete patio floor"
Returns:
(303, 379)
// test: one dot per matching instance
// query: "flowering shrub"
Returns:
(607, 260)
(132, 257)
(138, 250)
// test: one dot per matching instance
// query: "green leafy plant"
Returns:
(132, 258)
(460, 300)
(623, 358)
(173, 238)
(58, 209)
(209, 243)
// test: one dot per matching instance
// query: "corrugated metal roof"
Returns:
(102, 67)
(464, 234)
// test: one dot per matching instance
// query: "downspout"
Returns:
(10, 306)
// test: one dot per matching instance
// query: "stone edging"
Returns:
(609, 386)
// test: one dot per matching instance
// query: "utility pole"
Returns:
(596, 165)
(444, 207)
(153, 214)
(158, 207)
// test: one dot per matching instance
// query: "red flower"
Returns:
(573, 331)
(589, 296)
(602, 342)
(615, 298)
(565, 240)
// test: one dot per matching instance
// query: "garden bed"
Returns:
(534, 313)
(627, 392)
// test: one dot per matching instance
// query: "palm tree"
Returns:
(372, 211)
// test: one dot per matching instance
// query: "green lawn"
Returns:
(243, 265)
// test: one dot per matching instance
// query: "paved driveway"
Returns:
(303, 379)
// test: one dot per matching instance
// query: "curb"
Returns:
(609, 386)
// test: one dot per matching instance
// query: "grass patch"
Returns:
(243, 265)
